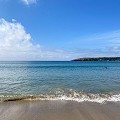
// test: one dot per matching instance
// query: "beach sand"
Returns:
(58, 110)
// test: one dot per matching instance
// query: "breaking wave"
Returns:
(74, 96)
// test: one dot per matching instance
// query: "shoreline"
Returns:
(78, 97)
(58, 110)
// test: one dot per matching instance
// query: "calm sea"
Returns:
(68, 80)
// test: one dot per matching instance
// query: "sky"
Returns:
(59, 29)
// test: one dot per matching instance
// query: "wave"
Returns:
(78, 97)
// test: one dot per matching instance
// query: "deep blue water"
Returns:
(35, 78)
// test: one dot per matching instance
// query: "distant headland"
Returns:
(98, 59)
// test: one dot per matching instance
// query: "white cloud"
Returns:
(100, 44)
(15, 44)
(28, 2)
(111, 41)
(14, 41)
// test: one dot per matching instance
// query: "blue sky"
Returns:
(59, 29)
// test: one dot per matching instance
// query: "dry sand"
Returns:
(58, 110)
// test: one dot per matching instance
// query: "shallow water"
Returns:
(69, 79)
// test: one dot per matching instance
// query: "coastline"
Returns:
(73, 96)
(58, 110)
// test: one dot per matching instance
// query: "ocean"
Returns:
(60, 80)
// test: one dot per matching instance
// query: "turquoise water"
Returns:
(67, 78)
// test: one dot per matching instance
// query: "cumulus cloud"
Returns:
(14, 41)
(15, 44)
(28, 2)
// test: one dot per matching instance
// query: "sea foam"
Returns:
(78, 97)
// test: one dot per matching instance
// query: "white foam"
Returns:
(75, 97)
(98, 99)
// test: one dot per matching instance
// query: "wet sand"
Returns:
(58, 110)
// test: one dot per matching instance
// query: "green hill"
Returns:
(98, 59)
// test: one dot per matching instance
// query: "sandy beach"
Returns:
(58, 110)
